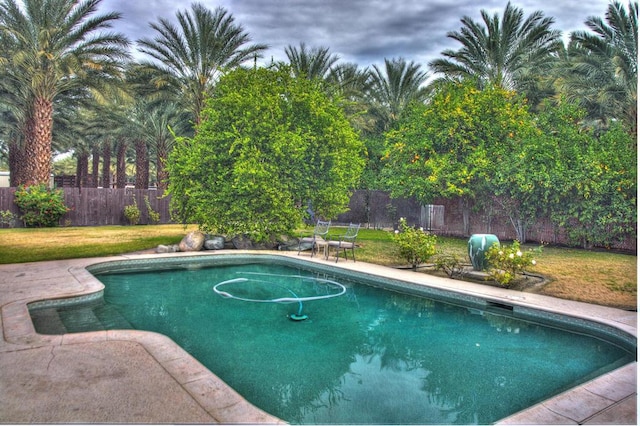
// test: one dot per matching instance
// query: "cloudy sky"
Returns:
(360, 31)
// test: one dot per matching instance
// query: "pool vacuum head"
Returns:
(298, 317)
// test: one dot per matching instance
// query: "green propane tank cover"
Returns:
(478, 245)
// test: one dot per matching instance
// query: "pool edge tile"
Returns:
(225, 404)
(538, 414)
(622, 413)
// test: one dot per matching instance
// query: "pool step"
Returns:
(47, 321)
(111, 319)
(78, 318)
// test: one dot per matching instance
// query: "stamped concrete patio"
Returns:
(142, 377)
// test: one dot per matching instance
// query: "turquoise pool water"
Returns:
(368, 356)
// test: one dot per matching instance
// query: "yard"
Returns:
(598, 277)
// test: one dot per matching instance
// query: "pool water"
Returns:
(368, 356)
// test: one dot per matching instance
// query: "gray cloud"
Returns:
(360, 31)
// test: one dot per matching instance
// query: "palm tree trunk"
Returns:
(95, 165)
(82, 169)
(161, 171)
(142, 164)
(16, 164)
(106, 163)
(121, 164)
(37, 149)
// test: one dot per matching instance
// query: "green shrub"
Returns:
(505, 262)
(154, 216)
(277, 144)
(132, 213)
(414, 245)
(40, 206)
(7, 218)
(450, 264)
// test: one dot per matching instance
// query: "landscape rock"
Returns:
(193, 241)
(287, 243)
(242, 242)
(214, 242)
(173, 248)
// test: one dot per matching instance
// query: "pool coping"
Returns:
(611, 398)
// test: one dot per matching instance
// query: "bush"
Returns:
(414, 245)
(41, 206)
(154, 216)
(7, 218)
(505, 263)
(268, 146)
(450, 264)
(132, 213)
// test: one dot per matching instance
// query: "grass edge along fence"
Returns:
(375, 209)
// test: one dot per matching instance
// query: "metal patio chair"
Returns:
(316, 240)
(345, 242)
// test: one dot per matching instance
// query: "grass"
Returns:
(20, 245)
(603, 278)
(599, 277)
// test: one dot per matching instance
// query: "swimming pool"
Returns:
(323, 370)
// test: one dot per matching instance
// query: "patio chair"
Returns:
(346, 242)
(316, 240)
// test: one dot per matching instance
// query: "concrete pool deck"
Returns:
(127, 376)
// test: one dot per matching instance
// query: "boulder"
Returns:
(167, 249)
(287, 243)
(242, 242)
(193, 241)
(214, 242)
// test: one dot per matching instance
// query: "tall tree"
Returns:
(394, 88)
(271, 154)
(56, 47)
(310, 62)
(164, 122)
(121, 146)
(602, 69)
(454, 145)
(106, 162)
(352, 82)
(510, 52)
(189, 59)
(14, 99)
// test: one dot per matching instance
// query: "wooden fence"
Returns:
(378, 210)
(105, 206)
(100, 206)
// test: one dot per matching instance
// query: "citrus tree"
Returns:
(596, 180)
(454, 145)
(269, 145)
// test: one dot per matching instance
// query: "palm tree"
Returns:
(12, 125)
(394, 88)
(56, 47)
(351, 81)
(163, 122)
(510, 52)
(121, 146)
(602, 69)
(353, 84)
(71, 125)
(310, 63)
(189, 58)
(106, 161)
(14, 99)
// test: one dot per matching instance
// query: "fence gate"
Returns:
(432, 217)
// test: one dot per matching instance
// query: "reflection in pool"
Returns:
(368, 356)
